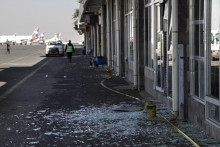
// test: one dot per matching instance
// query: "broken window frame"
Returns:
(211, 103)
(150, 61)
(197, 65)
(158, 49)
(149, 33)
(129, 28)
(169, 63)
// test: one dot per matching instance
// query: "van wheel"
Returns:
(47, 55)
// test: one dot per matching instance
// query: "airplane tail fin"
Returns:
(35, 33)
(42, 37)
(59, 36)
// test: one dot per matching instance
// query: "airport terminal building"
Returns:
(167, 48)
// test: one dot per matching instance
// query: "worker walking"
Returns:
(8, 47)
(69, 50)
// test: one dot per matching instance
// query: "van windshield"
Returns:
(55, 43)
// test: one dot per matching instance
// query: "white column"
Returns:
(102, 33)
(94, 41)
(91, 38)
(175, 79)
(117, 39)
(207, 41)
(98, 40)
(108, 34)
(112, 45)
(135, 71)
(87, 42)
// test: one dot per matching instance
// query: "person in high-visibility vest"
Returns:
(69, 50)
(8, 47)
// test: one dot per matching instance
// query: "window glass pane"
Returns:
(201, 9)
(114, 9)
(126, 6)
(201, 36)
(196, 9)
(215, 79)
(196, 78)
(198, 47)
(128, 37)
(202, 83)
(158, 47)
(215, 48)
(152, 38)
(146, 36)
(131, 37)
(145, 1)
(170, 66)
(215, 44)
(213, 112)
(114, 36)
(198, 27)
(199, 79)
(149, 37)
(148, 1)
(196, 40)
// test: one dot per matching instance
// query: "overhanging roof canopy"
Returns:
(88, 7)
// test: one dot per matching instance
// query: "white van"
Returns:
(54, 48)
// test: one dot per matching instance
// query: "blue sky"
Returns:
(51, 16)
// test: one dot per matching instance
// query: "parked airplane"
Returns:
(57, 37)
(19, 39)
(40, 40)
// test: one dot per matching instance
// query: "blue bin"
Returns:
(99, 60)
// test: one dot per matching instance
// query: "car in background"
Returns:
(54, 48)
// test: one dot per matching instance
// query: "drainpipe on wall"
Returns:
(175, 79)
(117, 39)
(135, 72)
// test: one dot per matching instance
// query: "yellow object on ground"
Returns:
(151, 111)
(147, 103)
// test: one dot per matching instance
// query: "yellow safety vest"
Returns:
(69, 49)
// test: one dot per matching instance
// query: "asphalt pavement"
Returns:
(50, 102)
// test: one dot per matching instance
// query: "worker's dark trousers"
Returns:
(69, 56)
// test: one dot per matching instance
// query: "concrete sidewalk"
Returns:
(195, 133)
(64, 104)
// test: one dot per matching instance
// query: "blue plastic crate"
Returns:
(99, 60)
